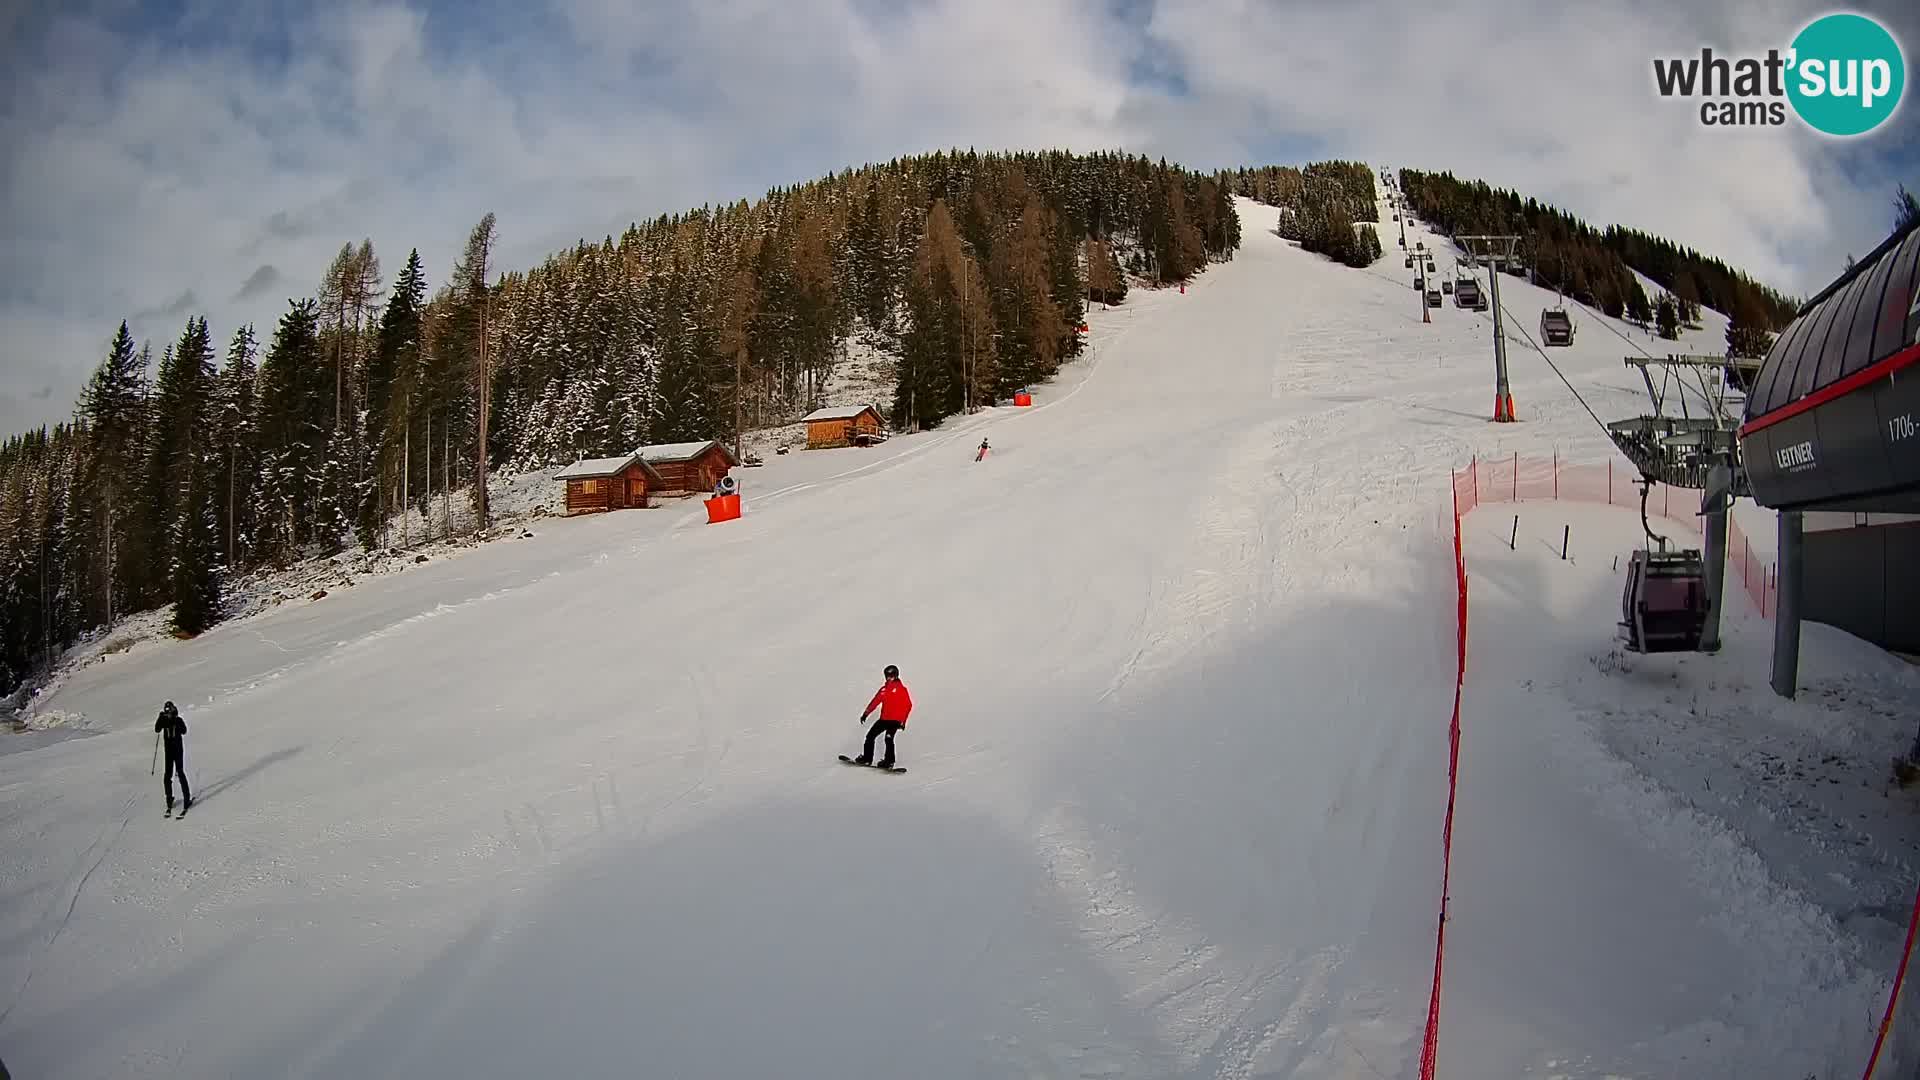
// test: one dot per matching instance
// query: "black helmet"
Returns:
(891, 672)
(169, 707)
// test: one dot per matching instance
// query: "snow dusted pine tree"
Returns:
(295, 405)
(113, 407)
(197, 569)
(236, 430)
(392, 371)
(590, 390)
(638, 367)
(186, 406)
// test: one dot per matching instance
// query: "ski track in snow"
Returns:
(1180, 647)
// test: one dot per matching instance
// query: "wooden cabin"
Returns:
(840, 425)
(615, 483)
(690, 467)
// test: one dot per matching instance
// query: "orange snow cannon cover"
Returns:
(1023, 398)
(723, 508)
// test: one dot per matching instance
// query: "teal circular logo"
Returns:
(1846, 74)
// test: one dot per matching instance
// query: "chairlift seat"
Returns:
(1664, 603)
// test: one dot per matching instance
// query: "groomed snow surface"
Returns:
(566, 804)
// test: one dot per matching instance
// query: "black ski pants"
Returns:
(176, 754)
(889, 728)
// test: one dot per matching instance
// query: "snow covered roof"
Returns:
(591, 468)
(837, 412)
(681, 451)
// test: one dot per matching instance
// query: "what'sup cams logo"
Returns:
(1844, 75)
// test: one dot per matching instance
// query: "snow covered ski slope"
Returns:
(1180, 648)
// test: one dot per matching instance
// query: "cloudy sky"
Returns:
(170, 158)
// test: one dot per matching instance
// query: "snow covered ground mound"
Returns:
(1708, 880)
(1181, 648)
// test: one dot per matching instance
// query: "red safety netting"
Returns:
(1759, 578)
(1512, 478)
(1430, 1045)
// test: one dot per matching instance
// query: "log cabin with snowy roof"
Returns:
(614, 483)
(689, 468)
(841, 425)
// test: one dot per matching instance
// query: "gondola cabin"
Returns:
(1663, 607)
(841, 425)
(1433, 298)
(615, 483)
(1556, 327)
(1467, 294)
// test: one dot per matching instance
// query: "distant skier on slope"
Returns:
(894, 704)
(982, 455)
(173, 731)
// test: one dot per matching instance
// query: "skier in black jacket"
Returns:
(173, 732)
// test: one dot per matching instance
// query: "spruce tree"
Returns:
(236, 431)
(113, 408)
(463, 342)
(178, 448)
(197, 593)
(1747, 334)
(295, 408)
(1667, 317)
(392, 375)
(819, 314)
(1639, 309)
(1069, 289)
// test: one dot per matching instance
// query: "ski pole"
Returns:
(151, 769)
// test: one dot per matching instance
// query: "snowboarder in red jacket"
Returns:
(894, 704)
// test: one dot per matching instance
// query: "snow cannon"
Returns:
(724, 507)
(1022, 398)
(727, 486)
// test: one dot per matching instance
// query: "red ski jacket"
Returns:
(892, 700)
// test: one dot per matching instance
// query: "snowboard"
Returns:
(896, 769)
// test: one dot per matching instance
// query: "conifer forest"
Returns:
(239, 448)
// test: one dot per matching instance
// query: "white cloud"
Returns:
(142, 167)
